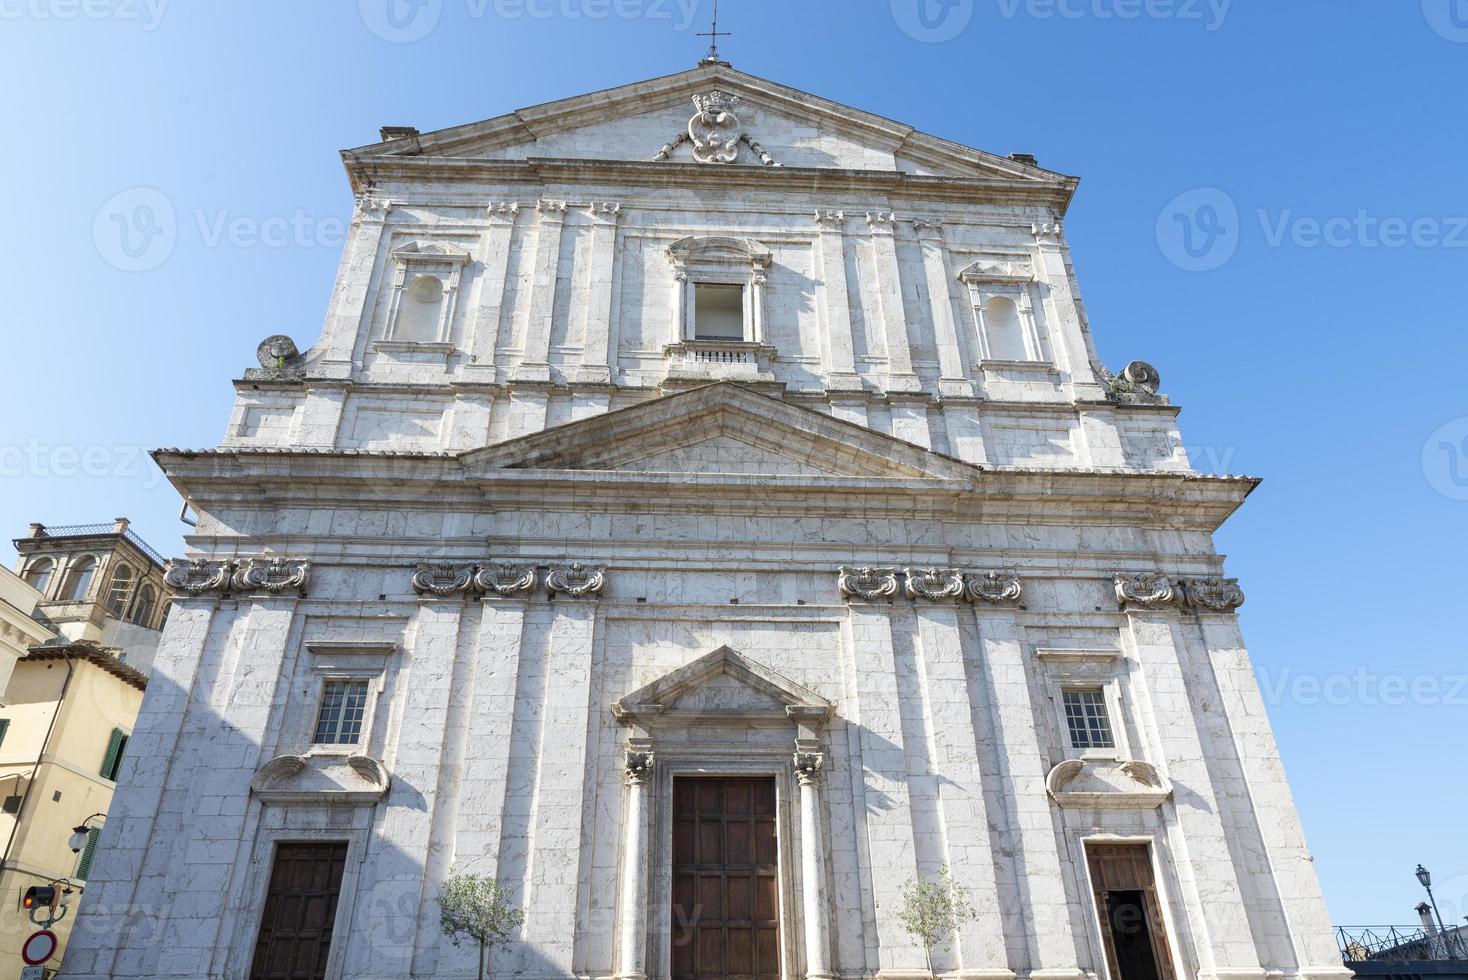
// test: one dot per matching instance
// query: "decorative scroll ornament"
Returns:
(443, 579)
(809, 767)
(994, 588)
(934, 583)
(504, 579)
(1148, 590)
(870, 584)
(638, 766)
(196, 576)
(575, 580)
(1219, 595)
(272, 575)
(714, 128)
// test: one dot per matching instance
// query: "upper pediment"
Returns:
(711, 115)
(721, 430)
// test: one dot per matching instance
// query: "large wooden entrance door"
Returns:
(726, 912)
(1131, 915)
(300, 909)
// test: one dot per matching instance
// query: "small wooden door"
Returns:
(726, 912)
(1132, 926)
(300, 910)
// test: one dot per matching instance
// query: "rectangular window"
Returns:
(112, 761)
(343, 705)
(718, 312)
(11, 805)
(1085, 713)
(4, 727)
(89, 852)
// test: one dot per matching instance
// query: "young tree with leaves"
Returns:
(476, 907)
(931, 910)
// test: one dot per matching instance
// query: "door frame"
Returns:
(1154, 843)
(752, 761)
(257, 887)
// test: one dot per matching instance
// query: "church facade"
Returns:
(705, 512)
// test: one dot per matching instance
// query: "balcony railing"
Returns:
(1400, 944)
(88, 530)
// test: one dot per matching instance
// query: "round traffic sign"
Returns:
(39, 948)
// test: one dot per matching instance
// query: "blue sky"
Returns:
(1272, 212)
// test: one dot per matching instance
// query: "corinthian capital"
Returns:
(809, 767)
(638, 767)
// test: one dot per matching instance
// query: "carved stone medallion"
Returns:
(714, 128)
(442, 579)
(274, 576)
(504, 579)
(994, 588)
(934, 583)
(1147, 590)
(575, 580)
(869, 584)
(1219, 595)
(196, 576)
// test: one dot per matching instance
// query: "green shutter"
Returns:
(112, 761)
(4, 727)
(84, 866)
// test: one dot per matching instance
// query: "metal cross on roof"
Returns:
(713, 36)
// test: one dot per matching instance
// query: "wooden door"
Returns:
(1130, 913)
(300, 910)
(726, 911)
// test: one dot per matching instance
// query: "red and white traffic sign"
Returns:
(39, 948)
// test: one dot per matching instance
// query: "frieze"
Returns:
(575, 580)
(1146, 590)
(934, 583)
(1216, 595)
(272, 575)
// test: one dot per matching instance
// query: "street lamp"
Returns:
(1425, 877)
(81, 832)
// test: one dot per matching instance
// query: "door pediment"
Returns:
(720, 687)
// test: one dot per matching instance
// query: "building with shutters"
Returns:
(705, 511)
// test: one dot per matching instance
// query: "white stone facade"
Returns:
(577, 551)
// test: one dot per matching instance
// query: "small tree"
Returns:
(931, 910)
(476, 907)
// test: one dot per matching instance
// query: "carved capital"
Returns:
(1048, 233)
(881, 220)
(809, 767)
(605, 211)
(374, 207)
(503, 210)
(552, 210)
(831, 219)
(576, 580)
(504, 579)
(443, 579)
(273, 576)
(934, 583)
(1215, 595)
(994, 588)
(638, 766)
(197, 576)
(1146, 590)
(868, 584)
(927, 227)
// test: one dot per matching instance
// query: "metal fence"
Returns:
(87, 530)
(1400, 944)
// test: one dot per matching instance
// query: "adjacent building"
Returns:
(705, 510)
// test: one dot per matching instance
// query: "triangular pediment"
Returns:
(721, 430)
(649, 121)
(723, 685)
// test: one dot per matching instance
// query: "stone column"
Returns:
(1072, 347)
(535, 364)
(1206, 869)
(840, 363)
(900, 375)
(632, 920)
(494, 261)
(813, 906)
(953, 380)
(596, 359)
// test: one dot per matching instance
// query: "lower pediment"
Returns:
(321, 780)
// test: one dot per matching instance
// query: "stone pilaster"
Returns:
(835, 299)
(1220, 921)
(350, 312)
(815, 910)
(900, 375)
(1024, 765)
(493, 255)
(953, 381)
(535, 364)
(632, 913)
(1067, 330)
(597, 357)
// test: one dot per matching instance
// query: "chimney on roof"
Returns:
(390, 133)
(1028, 159)
(119, 525)
(1424, 912)
(37, 531)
